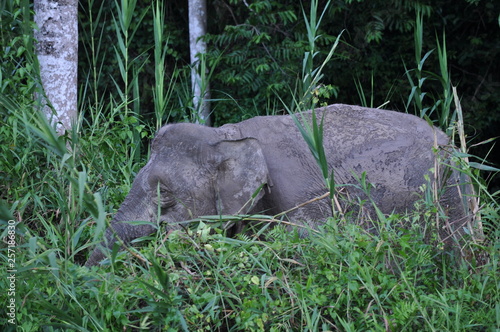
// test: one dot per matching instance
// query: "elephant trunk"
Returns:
(136, 207)
(126, 232)
(97, 255)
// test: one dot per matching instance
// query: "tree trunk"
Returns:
(197, 47)
(57, 52)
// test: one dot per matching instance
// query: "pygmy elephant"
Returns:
(196, 170)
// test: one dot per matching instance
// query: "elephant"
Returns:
(263, 165)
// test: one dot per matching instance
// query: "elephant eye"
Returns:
(162, 196)
(165, 202)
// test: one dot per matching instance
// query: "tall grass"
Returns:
(341, 278)
(308, 89)
(443, 108)
(161, 94)
(425, 103)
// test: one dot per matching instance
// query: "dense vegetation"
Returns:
(256, 50)
(61, 191)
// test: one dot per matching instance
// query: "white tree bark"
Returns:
(199, 82)
(57, 52)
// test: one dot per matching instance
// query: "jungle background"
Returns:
(255, 53)
(134, 76)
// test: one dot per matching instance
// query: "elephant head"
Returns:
(191, 172)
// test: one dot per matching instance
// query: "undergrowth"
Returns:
(60, 192)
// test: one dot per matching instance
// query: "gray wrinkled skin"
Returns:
(199, 170)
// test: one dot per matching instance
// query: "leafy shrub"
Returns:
(340, 278)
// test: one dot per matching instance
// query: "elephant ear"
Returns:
(241, 176)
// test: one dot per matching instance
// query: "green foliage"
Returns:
(140, 69)
(437, 105)
(265, 26)
(17, 61)
(309, 89)
(256, 53)
(61, 191)
(202, 280)
(256, 50)
(160, 95)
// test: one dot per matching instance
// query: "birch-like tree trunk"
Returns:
(197, 47)
(57, 52)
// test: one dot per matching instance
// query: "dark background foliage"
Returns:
(62, 190)
(257, 47)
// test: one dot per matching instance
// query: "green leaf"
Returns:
(483, 167)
